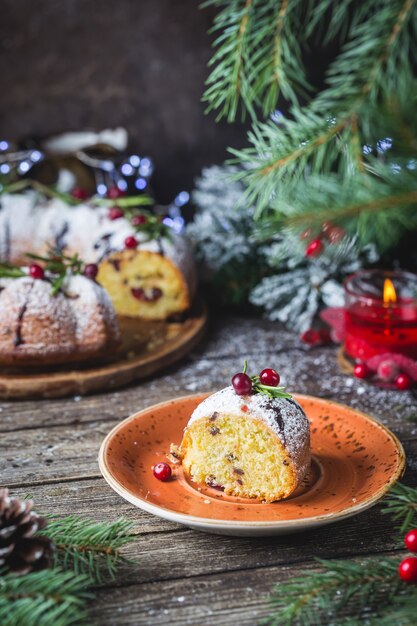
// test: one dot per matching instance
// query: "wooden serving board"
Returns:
(146, 348)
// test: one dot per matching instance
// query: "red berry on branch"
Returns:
(403, 382)
(162, 471)
(80, 194)
(91, 270)
(314, 248)
(242, 384)
(269, 377)
(361, 370)
(115, 192)
(408, 569)
(311, 337)
(388, 370)
(139, 220)
(131, 242)
(115, 213)
(36, 271)
(410, 540)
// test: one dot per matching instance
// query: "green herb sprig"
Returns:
(267, 390)
(58, 265)
(7, 270)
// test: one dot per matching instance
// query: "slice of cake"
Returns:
(254, 444)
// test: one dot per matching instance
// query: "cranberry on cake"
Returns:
(251, 439)
(54, 315)
(147, 269)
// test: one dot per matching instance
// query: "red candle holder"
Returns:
(380, 314)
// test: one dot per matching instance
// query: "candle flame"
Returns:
(389, 292)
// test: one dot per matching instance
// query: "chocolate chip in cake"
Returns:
(238, 471)
(214, 430)
(231, 457)
(240, 482)
(214, 416)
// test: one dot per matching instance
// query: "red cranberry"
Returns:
(403, 382)
(131, 242)
(242, 384)
(36, 271)
(115, 192)
(162, 471)
(361, 370)
(408, 570)
(410, 540)
(311, 337)
(138, 293)
(388, 371)
(91, 270)
(315, 248)
(80, 194)
(269, 377)
(115, 213)
(139, 220)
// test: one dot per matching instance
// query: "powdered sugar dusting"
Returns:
(29, 224)
(77, 322)
(291, 427)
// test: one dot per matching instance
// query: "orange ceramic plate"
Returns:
(355, 461)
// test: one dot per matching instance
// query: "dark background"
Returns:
(141, 64)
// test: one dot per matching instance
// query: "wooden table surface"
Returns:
(49, 449)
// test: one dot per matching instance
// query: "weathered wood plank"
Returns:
(230, 599)
(169, 551)
(204, 375)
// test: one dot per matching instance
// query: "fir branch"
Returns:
(228, 81)
(340, 586)
(379, 205)
(90, 547)
(401, 505)
(46, 598)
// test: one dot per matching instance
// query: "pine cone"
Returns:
(21, 550)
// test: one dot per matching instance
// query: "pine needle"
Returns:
(46, 598)
(88, 547)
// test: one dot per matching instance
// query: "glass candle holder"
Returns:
(380, 314)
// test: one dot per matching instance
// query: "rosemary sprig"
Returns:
(267, 390)
(7, 270)
(125, 202)
(58, 265)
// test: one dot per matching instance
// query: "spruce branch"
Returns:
(227, 83)
(89, 547)
(401, 505)
(46, 598)
(256, 57)
(340, 586)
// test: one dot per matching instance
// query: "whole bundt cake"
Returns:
(253, 445)
(40, 327)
